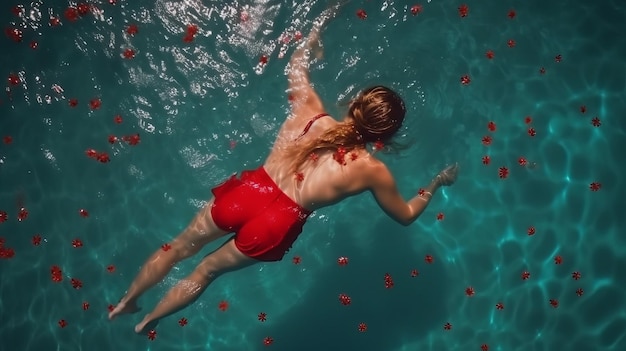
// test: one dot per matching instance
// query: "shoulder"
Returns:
(375, 173)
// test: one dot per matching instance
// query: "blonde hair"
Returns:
(377, 114)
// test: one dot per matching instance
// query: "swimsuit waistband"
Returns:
(261, 175)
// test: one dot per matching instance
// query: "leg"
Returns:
(198, 233)
(225, 259)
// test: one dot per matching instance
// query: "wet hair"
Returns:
(376, 115)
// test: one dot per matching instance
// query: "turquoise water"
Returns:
(207, 108)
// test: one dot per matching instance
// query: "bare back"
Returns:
(325, 181)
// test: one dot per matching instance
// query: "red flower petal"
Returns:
(82, 8)
(95, 103)
(17, 10)
(71, 14)
(77, 243)
(596, 122)
(22, 214)
(503, 172)
(76, 283)
(188, 38)
(388, 281)
(595, 186)
(416, 9)
(132, 140)
(14, 34)
(14, 79)
(463, 10)
(344, 299)
(466, 80)
(192, 29)
(511, 14)
(522, 161)
(129, 53)
(132, 29)
(244, 16)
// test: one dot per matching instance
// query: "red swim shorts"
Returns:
(266, 222)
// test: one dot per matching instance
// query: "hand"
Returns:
(448, 175)
(313, 41)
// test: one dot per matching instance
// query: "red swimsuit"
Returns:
(265, 220)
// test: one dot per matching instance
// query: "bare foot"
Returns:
(145, 325)
(124, 308)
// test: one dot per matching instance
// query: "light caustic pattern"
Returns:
(80, 12)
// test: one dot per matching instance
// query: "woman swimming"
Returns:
(316, 161)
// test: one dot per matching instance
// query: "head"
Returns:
(377, 113)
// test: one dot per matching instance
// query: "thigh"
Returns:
(226, 258)
(200, 231)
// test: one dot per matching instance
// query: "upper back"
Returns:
(321, 182)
